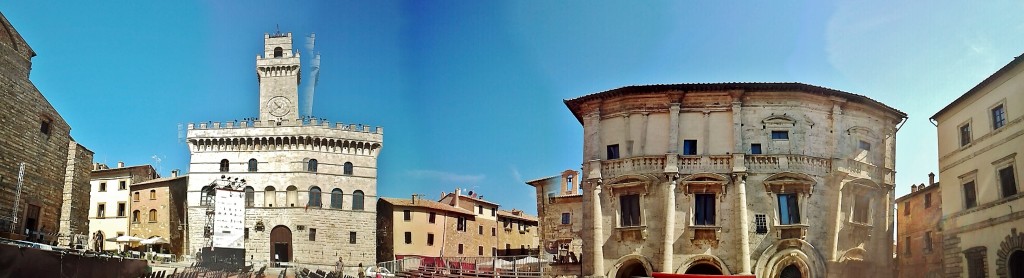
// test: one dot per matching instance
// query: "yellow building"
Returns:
(979, 143)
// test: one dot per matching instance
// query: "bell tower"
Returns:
(279, 76)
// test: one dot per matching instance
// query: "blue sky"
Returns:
(470, 92)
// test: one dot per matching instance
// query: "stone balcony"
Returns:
(723, 164)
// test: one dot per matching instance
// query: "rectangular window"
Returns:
(407, 215)
(494, 231)
(152, 194)
(906, 245)
(246, 234)
(704, 209)
(906, 208)
(103, 187)
(789, 209)
(312, 234)
(629, 206)
(760, 224)
(975, 262)
(461, 224)
(566, 218)
(998, 117)
(480, 210)
(494, 212)
(432, 216)
(970, 196)
(480, 250)
(755, 148)
(613, 151)
(44, 127)
(101, 210)
(430, 239)
(351, 237)
(861, 209)
(408, 237)
(122, 185)
(780, 135)
(965, 134)
(927, 200)
(121, 209)
(1007, 181)
(460, 248)
(481, 228)
(928, 241)
(864, 145)
(689, 147)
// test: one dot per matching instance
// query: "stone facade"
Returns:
(737, 178)
(74, 215)
(919, 231)
(462, 226)
(158, 210)
(110, 201)
(979, 141)
(310, 184)
(560, 203)
(34, 142)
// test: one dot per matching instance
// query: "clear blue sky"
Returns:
(470, 92)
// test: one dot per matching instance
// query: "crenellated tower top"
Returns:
(279, 75)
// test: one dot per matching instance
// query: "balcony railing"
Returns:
(788, 162)
(641, 164)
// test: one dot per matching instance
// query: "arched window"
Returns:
(269, 196)
(311, 165)
(292, 195)
(135, 216)
(314, 197)
(250, 196)
(348, 168)
(278, 52)
(336, 196)
(252, 165)
(223, 165)
(152, 194)
(357, 200)
(152, 215)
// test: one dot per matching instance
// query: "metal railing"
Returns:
(499, 266)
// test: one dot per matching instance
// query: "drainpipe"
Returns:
(744, 227)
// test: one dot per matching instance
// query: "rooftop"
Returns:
(424, 204)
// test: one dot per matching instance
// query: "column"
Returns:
(670, 226)
(706, 139)
(597, 239)
(627, 139)
(744, 223)
(643, 134)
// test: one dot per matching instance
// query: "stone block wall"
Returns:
(74, 217)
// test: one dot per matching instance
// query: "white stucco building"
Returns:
(310, 186)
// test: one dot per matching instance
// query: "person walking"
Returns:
(339, 267)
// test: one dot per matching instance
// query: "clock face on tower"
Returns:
(279, 106)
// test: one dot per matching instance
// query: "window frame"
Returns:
(122, 185)
(792, 198)
(337, 198)
(928, 200)
(101, 210)
(965, 180)
(784, 135)
(348, 168)
(700, 214)
(1007, 162)
(152, 194)
(432, 217)
(312, 234)
(122, 209)
(136, 216)
(311, 165)
(225, 166)
(407, 215)
(689, 147)
(965, 127)
(358, 200)
(153, 216)
(757, 150)
(636, 211)
(999, 121)
(408, 237)
(862, 208)
(612, 152)
(566, 218)
(351, 237)
(253, 165)
(102, 187)
(430, 239)
(135, 197)
(316, 196)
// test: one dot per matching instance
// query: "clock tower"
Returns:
(279, 76)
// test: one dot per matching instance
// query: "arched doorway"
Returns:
(704, 268)
(1016, 264)
(791, 271)
(281, 244)
(632, 268)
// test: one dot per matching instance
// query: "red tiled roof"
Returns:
(424, 204)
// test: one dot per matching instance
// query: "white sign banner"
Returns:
(229, 219)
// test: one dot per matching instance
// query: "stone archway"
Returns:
(791, 271)
(280, 244)
(632, 268)
(785, 255)
(1010, 260)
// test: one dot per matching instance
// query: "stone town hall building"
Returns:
(310, 186)
(771, 179)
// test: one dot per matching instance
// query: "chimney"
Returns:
(174, 173)
(458, 192)
(913, 188)
(120, 164)
(931, 179)
(413, 199)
